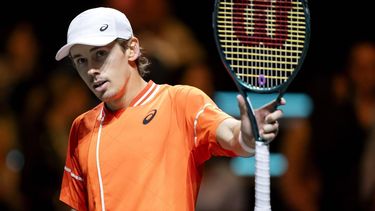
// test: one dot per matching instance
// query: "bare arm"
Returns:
(231, 130)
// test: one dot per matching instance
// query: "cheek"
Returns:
(120, 78)
(121, 73)
(117, 70)
(84, 78)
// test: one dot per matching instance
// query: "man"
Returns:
(144, 146)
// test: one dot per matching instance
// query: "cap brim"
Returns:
(94, 41)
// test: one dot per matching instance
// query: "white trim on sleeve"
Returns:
(196, 121)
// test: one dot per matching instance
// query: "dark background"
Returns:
(335, 26)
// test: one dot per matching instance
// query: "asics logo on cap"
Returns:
(104, 27)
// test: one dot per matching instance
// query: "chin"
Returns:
(107, 97)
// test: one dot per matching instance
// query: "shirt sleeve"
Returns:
(203, 117)
(73, 189)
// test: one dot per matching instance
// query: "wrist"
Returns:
(243, 145)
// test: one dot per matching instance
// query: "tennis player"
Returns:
(143, 147)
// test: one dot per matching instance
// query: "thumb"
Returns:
(242, 105)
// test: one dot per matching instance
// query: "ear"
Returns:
(133, 49)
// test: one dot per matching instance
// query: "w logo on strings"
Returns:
(270, 22)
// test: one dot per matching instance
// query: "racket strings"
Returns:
(262, 40)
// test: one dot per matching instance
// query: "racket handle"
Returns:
(262, 177)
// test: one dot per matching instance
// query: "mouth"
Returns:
(100, 85)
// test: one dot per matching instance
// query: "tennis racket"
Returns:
(262, 44)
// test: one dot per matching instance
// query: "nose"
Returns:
(94, 68)
(92, 71)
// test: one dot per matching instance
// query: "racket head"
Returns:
(262, 43)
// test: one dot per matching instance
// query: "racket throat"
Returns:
(252, 118)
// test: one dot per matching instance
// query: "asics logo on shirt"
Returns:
(104, 27)
(149, 116)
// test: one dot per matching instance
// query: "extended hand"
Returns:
(266, 117)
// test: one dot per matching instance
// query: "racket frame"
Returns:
(243, 88)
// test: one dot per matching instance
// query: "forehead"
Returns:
(79, 49)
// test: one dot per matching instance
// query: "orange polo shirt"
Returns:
(148, 156)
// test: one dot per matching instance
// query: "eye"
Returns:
(101, 54)
(80, 62)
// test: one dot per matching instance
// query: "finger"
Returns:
(271, 128)
(271, 106)
(282, 101)
(274, 116)
(268, 137)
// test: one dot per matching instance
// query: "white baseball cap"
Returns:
(97, 27)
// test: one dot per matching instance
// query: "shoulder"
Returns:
(89, 117)
(186, 90)
(189, 96)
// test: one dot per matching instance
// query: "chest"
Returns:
(137, 138)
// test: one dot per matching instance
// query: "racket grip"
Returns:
(262, 177)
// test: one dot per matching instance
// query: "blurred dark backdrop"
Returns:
(32, 132)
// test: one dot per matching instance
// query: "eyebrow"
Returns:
(91, 50)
